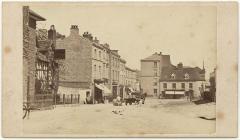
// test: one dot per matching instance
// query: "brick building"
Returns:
(86, 65)
(40, 69)
(159, 76)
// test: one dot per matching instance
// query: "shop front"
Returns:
(101, 94)
(173, 94)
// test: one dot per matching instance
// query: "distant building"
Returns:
(160, 78)
(212, 81)
(179, 81)
(131, 79)
(151, 68)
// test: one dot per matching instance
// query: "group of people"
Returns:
(130, 99)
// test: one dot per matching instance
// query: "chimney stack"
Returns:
(180, 65)
(74, 30)
(88, 36)
(96, 40)
(52, 33)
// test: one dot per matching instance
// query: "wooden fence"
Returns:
(40, 101)
(68, 99)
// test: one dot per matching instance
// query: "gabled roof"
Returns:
(195, 74)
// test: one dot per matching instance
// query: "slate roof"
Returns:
(195, 73)
(36, 16)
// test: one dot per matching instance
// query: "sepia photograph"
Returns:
(119, 69)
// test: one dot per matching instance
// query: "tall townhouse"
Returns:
(122, 78)
(85, 68)
(151, 68)
(114, 71)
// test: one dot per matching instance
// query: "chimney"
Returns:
(88, 36)
(96, 40)
(180, 65)
(52, 33)
(74, 30)
(160, 53)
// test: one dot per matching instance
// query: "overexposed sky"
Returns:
(186, 32)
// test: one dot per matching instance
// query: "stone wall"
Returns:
(25, 52)
(29, 57)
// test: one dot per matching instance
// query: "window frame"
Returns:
(190, 85)
(164, 85)
(183, 85)
(155, 64)
(174, 85)
(155, 91)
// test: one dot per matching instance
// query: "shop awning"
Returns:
(131, 89)
(175, 92)
(105, 90)
(99, 87)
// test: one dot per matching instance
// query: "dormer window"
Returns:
(173, 76)
(186, 76)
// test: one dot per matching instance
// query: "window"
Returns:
(113, 74)
(95, 53)
(95, 68)
(183, 85)
(164, 85)
(87, 94)
(155, 83)
(104, 70)
(190, 85)
(99, 54)
(155, 73)
(186, 76)
(100, 71)
(174, 85)
(155, 91)
(155, 64)
(173, 76)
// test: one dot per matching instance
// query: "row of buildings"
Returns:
(54, 65)
(160, 78)
(93, 69)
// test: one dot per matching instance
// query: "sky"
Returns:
(185, 32)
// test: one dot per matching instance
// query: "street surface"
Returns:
(156, 116)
